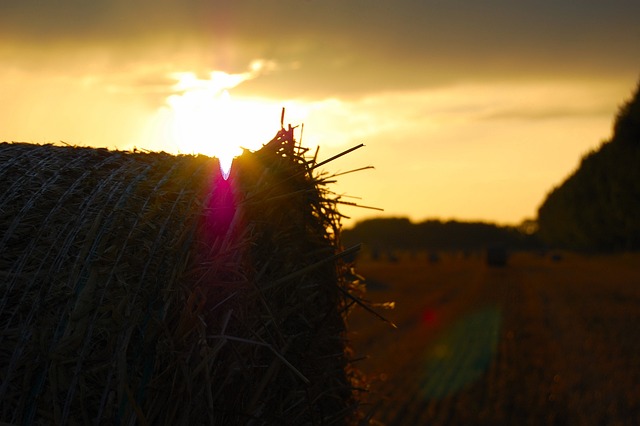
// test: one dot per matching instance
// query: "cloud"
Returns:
(346, 48)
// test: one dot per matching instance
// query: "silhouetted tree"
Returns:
(598, 206)
(389, 234)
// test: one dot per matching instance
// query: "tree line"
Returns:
(597, 208)
(433, 235)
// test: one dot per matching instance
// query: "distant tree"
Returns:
(381, 233)
(627, 126)
(390, 234)
(528, 227)
(597, 207)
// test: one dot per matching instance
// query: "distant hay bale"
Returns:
(142, 288)
(497, 255)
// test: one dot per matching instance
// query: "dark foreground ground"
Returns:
(538, 342)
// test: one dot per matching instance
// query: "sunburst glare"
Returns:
(202, 116)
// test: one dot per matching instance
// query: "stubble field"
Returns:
(540, 341)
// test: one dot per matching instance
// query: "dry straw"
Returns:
(142, 288)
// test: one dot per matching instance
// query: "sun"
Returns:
(204, 118)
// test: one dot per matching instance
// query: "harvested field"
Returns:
(540, 341)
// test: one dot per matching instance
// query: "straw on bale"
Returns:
(143, 288)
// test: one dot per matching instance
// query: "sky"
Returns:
(468, 110)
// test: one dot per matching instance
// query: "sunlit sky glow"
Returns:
(468, 110)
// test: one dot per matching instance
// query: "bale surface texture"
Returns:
(143, 288)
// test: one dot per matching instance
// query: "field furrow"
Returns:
(539, 341)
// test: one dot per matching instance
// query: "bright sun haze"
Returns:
(202, 117)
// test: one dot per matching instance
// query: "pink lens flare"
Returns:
(221, 205)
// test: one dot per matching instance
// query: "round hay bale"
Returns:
(143, 288)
